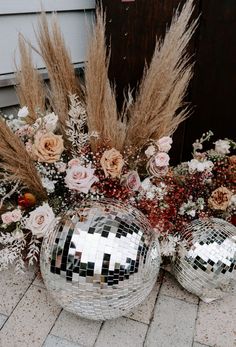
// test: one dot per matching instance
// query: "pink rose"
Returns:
(162, 159)
(164, 144)
(16, 215)
(74, 162)
(132, 181)
(7, 218)
(80, 178)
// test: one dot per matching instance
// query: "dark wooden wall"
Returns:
(132, 28)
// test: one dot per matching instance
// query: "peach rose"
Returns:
(220, 199)
(232, 160)
(112, 163)
(47, 147)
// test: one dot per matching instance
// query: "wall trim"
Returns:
(9, 7)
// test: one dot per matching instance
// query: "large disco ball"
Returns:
(206, 260)
(100, 260)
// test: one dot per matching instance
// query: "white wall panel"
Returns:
(75, 27)
(30, 6)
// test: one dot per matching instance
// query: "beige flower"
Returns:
(232, 160)
(47, 147)
(112, 163)
(220, 199)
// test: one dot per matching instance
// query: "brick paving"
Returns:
(170, 317)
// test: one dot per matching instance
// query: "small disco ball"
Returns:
(100, 260)
(206, 260)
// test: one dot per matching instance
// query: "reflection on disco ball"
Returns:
(206, 262)
(100, 260)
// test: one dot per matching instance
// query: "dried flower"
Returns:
(47, 147)
(200, 166)
(164, 144)
(7, 218)
(112, 163)
(39, 220)
(16, 215)
(132, 180)
(50, 122)
(80, 178)
(220, 199)
(150, 151)
(222, 146)
(162, 159)
(23, 112)
(155, 170)
(232, 160)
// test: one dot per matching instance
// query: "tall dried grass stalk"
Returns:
(30, 89)
(159, 106)
(61, 72)
(16, 164)
(100, 96)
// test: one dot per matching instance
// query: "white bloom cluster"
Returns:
(168, 245)
(151, 191)
(222, 146)
(190, 208)
(200, 166)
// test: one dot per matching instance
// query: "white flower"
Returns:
(146, 184)
(150, 195)
(48, 184)
(14, 124)
(39, 220)
(164, 144)
(192, 213)
(233, 200)
(222, 146)
(80, 178)
(50, 121)
(200, 166)
(150, 151)
(23, 112)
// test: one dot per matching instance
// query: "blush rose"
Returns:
(80, 178)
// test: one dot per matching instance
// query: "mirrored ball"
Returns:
(100, 260)
(206, 262)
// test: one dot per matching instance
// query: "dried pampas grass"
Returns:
(159, 107)
(101, 104)
(30, 89)
(60, 69)
(16, 164)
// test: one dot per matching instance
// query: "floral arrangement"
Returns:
(72, 144)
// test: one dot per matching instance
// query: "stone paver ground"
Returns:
(170, 317)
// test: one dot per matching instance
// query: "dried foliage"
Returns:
(100, 96)
(159, 106)
(16, 164)
(61, 72)
(76, 125)
(30, 89)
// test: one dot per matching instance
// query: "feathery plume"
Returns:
(30, 89)
(159, 107)
(61, 73)
(101, 104)
(16, 164)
